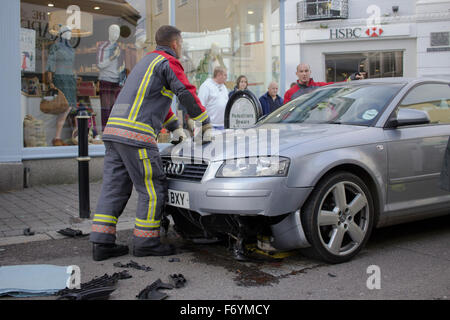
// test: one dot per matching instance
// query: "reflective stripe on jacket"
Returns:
(143, 105)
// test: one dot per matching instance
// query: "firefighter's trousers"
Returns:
(125, 166)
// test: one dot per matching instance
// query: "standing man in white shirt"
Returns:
(213, 95)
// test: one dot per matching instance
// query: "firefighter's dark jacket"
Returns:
(143, 105)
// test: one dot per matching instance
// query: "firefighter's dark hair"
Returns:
(166, 34)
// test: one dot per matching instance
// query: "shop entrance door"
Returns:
(377, 64)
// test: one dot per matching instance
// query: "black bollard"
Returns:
(83, 164)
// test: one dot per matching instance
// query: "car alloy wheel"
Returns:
(338, 217)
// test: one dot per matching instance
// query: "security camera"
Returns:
(395, 9)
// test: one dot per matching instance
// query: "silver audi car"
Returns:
(319, 173)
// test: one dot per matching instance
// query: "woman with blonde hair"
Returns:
(241, 84)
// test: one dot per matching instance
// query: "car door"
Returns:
(416, 156)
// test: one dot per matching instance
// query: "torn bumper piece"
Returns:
(152, 292)
(177, 280)
(96, 289)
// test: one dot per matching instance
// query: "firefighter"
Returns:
(131, 152)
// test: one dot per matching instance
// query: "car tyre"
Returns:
(338, 218)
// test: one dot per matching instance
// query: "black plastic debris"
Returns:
(122, 275)
(134, 265)
(177, 280)
(152, 292)
(332, 275)
(174, 260)
(68, 232)
(28, 232)
(89, 294)
(97, 289)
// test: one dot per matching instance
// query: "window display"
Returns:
(112, 75)
(83, 52)
(79, 55)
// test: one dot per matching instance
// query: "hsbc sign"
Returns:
(372, 30)
(355, 33)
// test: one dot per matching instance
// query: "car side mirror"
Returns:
(408, 117)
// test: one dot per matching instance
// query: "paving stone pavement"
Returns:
(47, 209)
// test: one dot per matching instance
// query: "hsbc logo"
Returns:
(374, 32)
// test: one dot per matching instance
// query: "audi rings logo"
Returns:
(174, 168)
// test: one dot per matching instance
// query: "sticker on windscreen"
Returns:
(370, 114)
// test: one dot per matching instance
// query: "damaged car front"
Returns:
(249, 185)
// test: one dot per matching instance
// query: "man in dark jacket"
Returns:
(132, 156)
(305, 83)
(271, 101)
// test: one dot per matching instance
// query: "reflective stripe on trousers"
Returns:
(125, 166)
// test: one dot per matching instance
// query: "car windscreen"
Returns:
(354, 105)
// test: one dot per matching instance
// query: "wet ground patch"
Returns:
(263, 271)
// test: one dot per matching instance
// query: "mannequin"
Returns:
(60, 74)
(111, 63)
(211, 60)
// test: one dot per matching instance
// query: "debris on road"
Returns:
(96, 289)
(32, 280)
(332, 275)
(151, 292)
(174, 260)
(28, 232)
(177, 280)
(102, 293)
(68, 232)
(134, 265)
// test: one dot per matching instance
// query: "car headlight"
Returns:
(254, 167)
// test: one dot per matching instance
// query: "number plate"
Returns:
(178, 199)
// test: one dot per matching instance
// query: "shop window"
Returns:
(229, 34)
(75, 58)
(376, 64)
(83, 65)
(431, 98)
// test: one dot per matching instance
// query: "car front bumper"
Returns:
(267, 196)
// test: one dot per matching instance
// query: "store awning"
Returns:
(114, 8)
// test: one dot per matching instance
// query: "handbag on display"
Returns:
(33, 132)
(54, 102)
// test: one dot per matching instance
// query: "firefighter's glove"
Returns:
(178, 136)
(204, 135)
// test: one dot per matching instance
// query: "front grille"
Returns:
(184, 169)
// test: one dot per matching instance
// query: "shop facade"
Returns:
(262, 39)
(83, 50)
(384, 38)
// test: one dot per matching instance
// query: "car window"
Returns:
(350, 104)
(432, 98)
